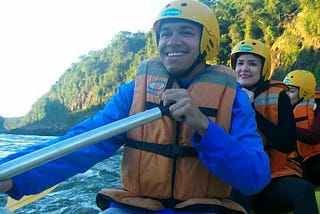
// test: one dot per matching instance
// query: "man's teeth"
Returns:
(175, 54)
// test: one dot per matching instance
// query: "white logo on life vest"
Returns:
(156, 86)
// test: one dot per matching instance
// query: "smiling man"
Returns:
(187, 161)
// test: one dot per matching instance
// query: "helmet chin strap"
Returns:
(199, 59)
(255, 85)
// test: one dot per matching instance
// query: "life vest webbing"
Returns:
(299, 119)
(209, 112)
(171, 150)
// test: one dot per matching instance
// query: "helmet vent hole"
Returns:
(254, 43)
(208, 48)
(211, 43)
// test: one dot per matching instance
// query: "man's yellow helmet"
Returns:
(197, 12)
(255, 47)
(304, 80)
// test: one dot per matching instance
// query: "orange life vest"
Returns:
(152, 181)
(267, 104)
(304, 115)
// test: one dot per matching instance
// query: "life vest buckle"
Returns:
(174, 150)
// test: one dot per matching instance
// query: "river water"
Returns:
(76, 195)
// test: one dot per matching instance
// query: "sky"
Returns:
(40, 39)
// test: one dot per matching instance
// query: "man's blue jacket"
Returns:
(237, 157)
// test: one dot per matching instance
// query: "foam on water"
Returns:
(76, 195)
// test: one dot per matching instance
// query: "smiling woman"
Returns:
(251, 61)
(40, 40)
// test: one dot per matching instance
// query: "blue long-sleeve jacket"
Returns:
(236, 157)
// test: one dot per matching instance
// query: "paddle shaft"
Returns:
(64, 147)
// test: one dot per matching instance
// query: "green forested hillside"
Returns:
(289, 27)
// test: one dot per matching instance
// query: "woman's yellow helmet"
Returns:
(255, 47)
(197, 12)
(304, 80)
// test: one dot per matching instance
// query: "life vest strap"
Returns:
(168, 150)
(169, 203)
(301, 119)
(209, 112)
